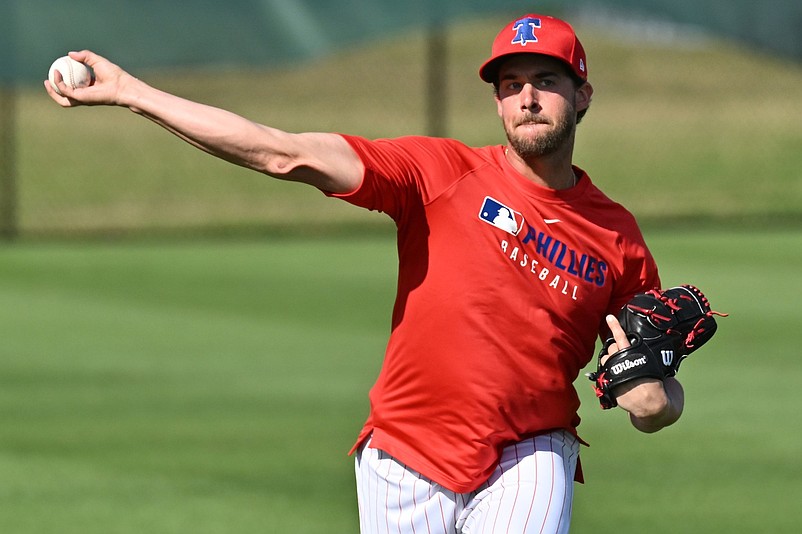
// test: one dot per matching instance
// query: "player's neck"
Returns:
(553, 171)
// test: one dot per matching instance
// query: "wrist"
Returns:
(131, 94)
(658, 410)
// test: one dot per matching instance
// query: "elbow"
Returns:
(273, 152)
(277, 165)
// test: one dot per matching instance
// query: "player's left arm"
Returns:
(652, 404)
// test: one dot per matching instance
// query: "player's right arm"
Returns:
(323, 160)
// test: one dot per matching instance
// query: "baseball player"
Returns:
(511, 264)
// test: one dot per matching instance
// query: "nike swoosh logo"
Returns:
(551, 221)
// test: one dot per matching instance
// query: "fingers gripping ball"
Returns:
(74, 73)
(664, 327)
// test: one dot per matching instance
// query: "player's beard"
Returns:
(546, 143)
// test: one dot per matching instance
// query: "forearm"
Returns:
(213, 130)
(322, 160)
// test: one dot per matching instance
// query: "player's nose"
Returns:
(529, 98)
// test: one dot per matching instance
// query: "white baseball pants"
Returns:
(531, 491)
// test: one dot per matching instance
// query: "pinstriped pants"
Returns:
(531, 491)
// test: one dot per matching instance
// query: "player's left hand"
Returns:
(653, 333)
(644, 398)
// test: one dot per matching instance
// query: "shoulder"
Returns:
(606, 212)
(419, 147)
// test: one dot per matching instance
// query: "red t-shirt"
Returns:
(503, 286)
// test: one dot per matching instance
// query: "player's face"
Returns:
(538, 102)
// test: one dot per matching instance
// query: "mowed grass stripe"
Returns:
(216, 386)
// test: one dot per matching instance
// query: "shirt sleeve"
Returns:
(640, 272)
(404, 171)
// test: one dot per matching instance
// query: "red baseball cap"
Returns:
(536, 34)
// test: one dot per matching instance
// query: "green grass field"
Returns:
(215, 387)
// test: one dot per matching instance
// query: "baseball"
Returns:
(74, 73)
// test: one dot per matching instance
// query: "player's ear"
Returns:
(584, 94)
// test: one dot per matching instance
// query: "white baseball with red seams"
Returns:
(74, 73)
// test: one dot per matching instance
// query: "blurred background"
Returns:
(667, 74)
(187, 346)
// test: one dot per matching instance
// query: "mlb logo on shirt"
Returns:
(501, 216)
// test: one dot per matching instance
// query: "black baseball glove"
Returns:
(664, 327)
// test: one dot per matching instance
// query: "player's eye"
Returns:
(512, 86)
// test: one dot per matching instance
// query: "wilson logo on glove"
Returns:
(619, 368)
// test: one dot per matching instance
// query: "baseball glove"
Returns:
(664, 327)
